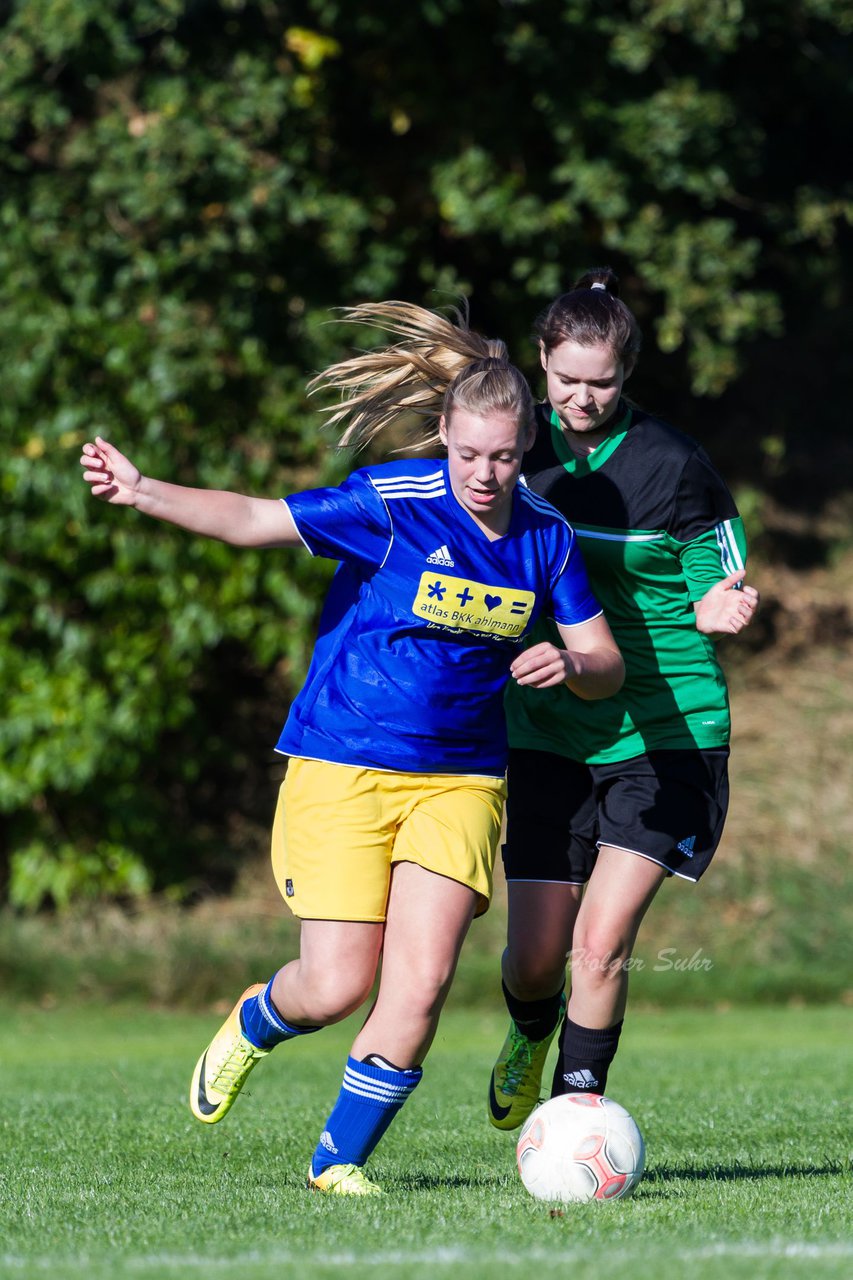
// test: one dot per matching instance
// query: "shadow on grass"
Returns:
(742, 1173)
(654, 1180)
(456, 1181)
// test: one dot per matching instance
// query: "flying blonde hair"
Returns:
(439, 364)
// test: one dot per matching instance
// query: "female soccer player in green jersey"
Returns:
(390, 811)
(607, 801)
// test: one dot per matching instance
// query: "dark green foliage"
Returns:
(189, 187)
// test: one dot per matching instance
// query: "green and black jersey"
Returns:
(657, 527)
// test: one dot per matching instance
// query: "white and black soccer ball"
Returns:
(580, 1146)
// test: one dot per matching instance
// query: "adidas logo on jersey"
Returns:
(442, 556)
(582, 1079)
(686, 846)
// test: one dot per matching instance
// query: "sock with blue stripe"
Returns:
(370, 1097)
(262, 1024)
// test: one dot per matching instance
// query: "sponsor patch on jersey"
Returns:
(461, 604)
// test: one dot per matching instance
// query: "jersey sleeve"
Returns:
(349, 523)
(571, 594)
(706, 527)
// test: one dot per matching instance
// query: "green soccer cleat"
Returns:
(343, 1180)
(517, 1076)
(222, 1069)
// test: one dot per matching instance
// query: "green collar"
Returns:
(582, 466)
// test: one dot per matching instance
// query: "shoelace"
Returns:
(234, 1065)
(518, 1060)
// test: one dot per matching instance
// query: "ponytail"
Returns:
(439, 364)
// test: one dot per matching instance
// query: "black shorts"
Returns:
(668, 806)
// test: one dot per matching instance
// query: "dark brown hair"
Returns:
(591, 313)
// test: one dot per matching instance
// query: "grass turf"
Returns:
(103, 1172)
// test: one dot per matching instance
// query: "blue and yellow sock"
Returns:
(262, 1024)
(370, 1097)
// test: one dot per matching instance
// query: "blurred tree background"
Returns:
(188, 189)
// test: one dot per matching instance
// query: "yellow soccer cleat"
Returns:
(517, 1076)
(222, 1069)
(343, 1180)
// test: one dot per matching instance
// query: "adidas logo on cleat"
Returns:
(442, 556)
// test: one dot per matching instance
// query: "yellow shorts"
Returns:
(338, 831)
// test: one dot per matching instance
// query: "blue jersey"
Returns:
(423, 619)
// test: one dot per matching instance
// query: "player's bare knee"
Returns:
(598, 957)
(530, 975)
(423, 988)
(334, 996)
(429, 989)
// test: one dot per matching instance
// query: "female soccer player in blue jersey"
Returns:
(390, 812)
(604, 806)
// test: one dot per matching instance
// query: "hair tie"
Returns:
(599, 285)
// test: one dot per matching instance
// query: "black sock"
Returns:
(374, 1060)
(536, 1018)
(585, 1057)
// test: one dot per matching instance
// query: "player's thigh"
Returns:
(450, 826)
(540, 925)
(668, 806)
(428, 918)
(332, 841)
(620, 892)
(551, 825)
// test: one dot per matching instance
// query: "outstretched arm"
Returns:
(216, 513)
(591, 664)
(727, 607)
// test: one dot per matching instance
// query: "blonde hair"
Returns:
(438, 365)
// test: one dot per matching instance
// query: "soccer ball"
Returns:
(580, 1146)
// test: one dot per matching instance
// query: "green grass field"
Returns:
(105, 1174)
